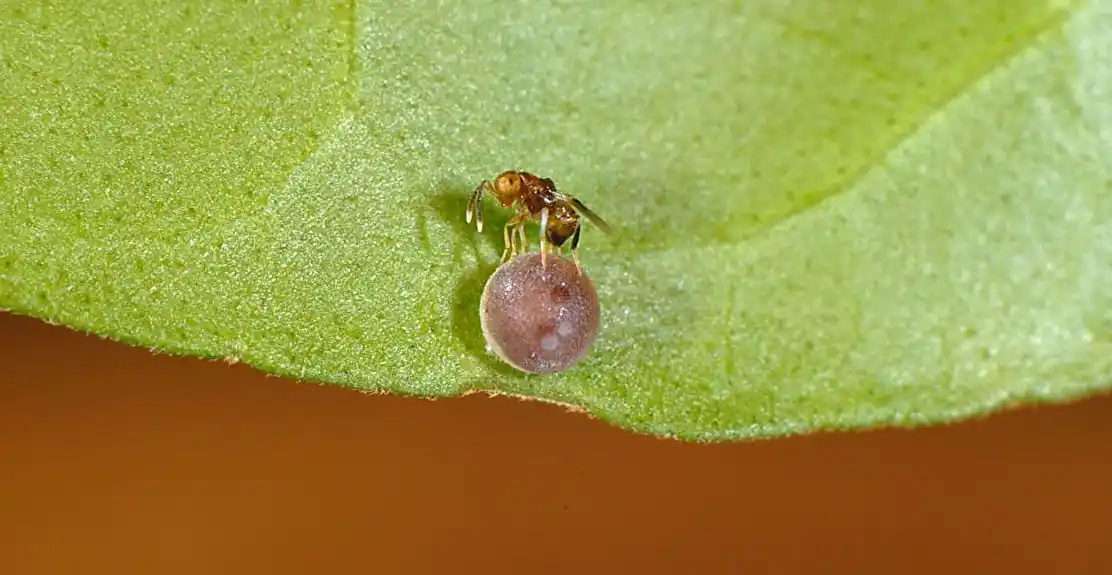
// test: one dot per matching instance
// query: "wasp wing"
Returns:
(585, 211)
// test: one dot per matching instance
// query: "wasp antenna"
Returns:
(479, 219)
(475, 205)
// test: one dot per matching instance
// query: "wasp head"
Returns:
(507, 188)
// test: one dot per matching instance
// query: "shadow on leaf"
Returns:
(465, 319)
(449, 203)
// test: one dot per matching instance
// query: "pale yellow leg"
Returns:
(509, 242)
(542, 237)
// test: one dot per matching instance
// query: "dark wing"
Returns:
(584, 211)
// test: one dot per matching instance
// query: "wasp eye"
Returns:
(539, 319)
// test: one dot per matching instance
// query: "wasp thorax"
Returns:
(536, 318)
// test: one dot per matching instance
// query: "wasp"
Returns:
(534, 199)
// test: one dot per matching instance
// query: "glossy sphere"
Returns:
(539, 320)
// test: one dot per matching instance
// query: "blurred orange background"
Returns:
(116, 460)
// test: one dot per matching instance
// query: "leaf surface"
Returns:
(828, 215)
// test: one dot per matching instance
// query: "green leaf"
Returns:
(829, 214)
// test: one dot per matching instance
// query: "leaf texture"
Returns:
(829, 215)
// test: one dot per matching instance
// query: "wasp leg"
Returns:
(510, 234)
(521, 234)
(543, 236)
(475, 204)
(506, 238)
(574, 245)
